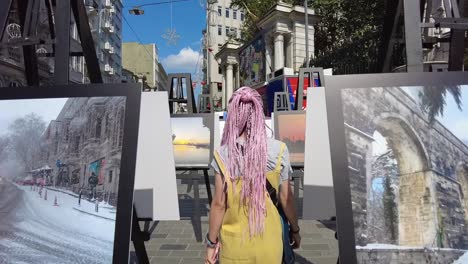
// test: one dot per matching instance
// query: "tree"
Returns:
(348, 35)
(4, 147)
(433, 99)
(390, 209)
(25, 134)
(255, 10)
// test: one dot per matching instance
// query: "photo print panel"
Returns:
(192, 139)
(67, 160)
(401, 164)
(155, 196)
(290, 127)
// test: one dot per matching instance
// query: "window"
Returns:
(220, 70)
(56, 142)
(227, 12)
(107, 129)
(220, 11)
(14, 84)
(220, 30)
(76, 144)
(242, 16)
(67, 133)
(234, 14)
(234, 32)
(98, 127)
(227, 31)
(110, 176)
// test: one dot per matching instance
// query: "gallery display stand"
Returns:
(298, 179)
(193, 174)
(139, 237)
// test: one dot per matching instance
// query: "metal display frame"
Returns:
(132, 94)
(338, 149)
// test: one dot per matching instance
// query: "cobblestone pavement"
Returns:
(174, 242)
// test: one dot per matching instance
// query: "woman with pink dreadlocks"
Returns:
(245, 225)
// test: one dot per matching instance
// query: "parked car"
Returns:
(28, 181)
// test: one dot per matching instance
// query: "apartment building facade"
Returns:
(223, 23)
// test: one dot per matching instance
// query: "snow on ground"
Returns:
(390, 246)
(65, 215)
(462, 260)
(105, 210)
(33, 230)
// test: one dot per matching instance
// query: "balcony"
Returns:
(108, 69)
(107, 3)
(107, 26)
(107, 46)
(91, 7)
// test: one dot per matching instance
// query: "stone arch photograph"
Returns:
(407, 153)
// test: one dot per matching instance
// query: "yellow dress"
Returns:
(236, 245)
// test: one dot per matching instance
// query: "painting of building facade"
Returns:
(59, 178)
(252, 63)
(408, 176)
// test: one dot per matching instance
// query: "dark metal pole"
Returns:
(62, 26)
(50, 19)
(87, 42)
(457, 42)
(5, 6)
(414, 53)
(28, 12)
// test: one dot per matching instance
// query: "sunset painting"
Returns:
(191, 141)
(290, 129)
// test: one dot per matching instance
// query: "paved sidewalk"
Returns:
(173, 242)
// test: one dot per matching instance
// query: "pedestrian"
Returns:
(245, 226)
(79, 197)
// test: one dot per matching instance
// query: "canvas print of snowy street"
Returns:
(59, 179)
(408, 172)
(291, 130)
(191, 137)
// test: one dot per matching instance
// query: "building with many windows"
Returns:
(83, 142)
(143, 61)
(105, 19)
(223, 23)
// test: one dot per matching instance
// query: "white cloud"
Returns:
(184, 61)
(460, 129)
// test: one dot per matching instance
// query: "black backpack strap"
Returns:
(271, 192)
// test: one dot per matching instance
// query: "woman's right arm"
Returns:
(287, 202)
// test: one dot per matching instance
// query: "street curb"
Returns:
(58, 190)
(81, 211)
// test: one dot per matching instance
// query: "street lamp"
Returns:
(137, 11)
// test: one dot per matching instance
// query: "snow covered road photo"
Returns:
(36, 230)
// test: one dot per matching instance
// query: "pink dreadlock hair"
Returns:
(245, 116)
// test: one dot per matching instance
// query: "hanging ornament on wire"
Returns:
(171, 35)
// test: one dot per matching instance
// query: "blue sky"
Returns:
(454, 119)
(188, 19)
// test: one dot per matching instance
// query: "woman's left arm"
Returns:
(217, 210)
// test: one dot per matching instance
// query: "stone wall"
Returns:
(427, 159)
(451, 213)
(407, 256)
(358, 146)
